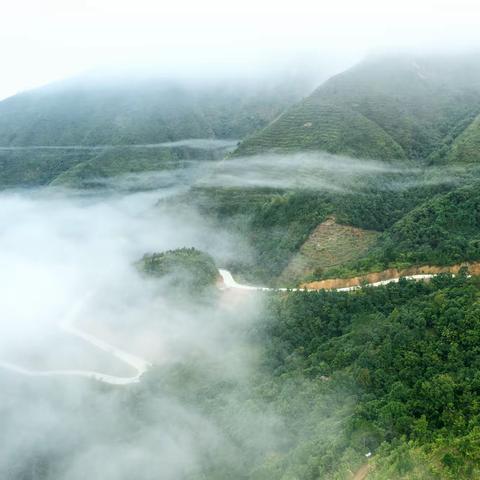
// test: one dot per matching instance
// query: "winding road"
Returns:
(229, 282)
(140, 364)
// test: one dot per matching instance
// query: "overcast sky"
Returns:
(45, 40)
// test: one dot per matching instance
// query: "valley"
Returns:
(284, 279)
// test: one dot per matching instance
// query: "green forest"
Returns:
(271, 385)
(389, 371)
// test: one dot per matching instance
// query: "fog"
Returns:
(61, 251)
(68, 260)
(59, 247)
(316, 171)
(197, 143)
(54, 40)
(313, 171)
(107, 373)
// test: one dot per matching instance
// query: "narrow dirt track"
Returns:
(362, 472)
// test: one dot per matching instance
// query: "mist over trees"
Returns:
(120, 202)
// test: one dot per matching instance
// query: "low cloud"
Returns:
(63, 251)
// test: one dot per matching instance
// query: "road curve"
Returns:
(139, 364)
(229, 282)
(67, 325)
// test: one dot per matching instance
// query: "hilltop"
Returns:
(387, 108)
(87, 110)
(92, 114)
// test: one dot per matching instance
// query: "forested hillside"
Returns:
(406, 357)
(95, 111)
(122, 111)
(185, 269)
(281, 384)
(385, 108)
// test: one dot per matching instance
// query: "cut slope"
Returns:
(425, 271)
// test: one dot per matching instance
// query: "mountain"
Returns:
(388, 108)
(115, 111)
(466, 147)
(443, 230)
(98, 111)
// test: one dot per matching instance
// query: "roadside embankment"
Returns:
(375, 277)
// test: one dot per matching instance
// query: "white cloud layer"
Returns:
(48, 40)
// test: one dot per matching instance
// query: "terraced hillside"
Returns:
(384, 108)
(316, 124)
(87, 111)
(329, 245)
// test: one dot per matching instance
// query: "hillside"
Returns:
(122, 161)
(440, 231)
(184, 269)
(384, 108)
(277, 223)
(317, 124)
(328, 246)
(58, 130)
(118, 111)
(404, 355)
(466, 147)
(443, 230)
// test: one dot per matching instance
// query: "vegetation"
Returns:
(31, 168)
(319, 125)
(444, 230)
(96, 111)
(329, 245)
(117, 161)
(96, 166)
(466, 147)
(406, 353)
(277, 223)
(184, 268)
(384, 108)
(390, 370)
(330, 376)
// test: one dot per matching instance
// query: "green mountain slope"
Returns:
(99, 111)
(466, 147)
(443, 230)
(124, 160)
(90, 111)
(33, 167)
(407, 357)
(317, 124)
(384, 108)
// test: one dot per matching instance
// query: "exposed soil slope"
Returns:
(374, 277)
(329, 245)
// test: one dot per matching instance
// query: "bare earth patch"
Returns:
(375, 277)
(329, 245)
(362, 472)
